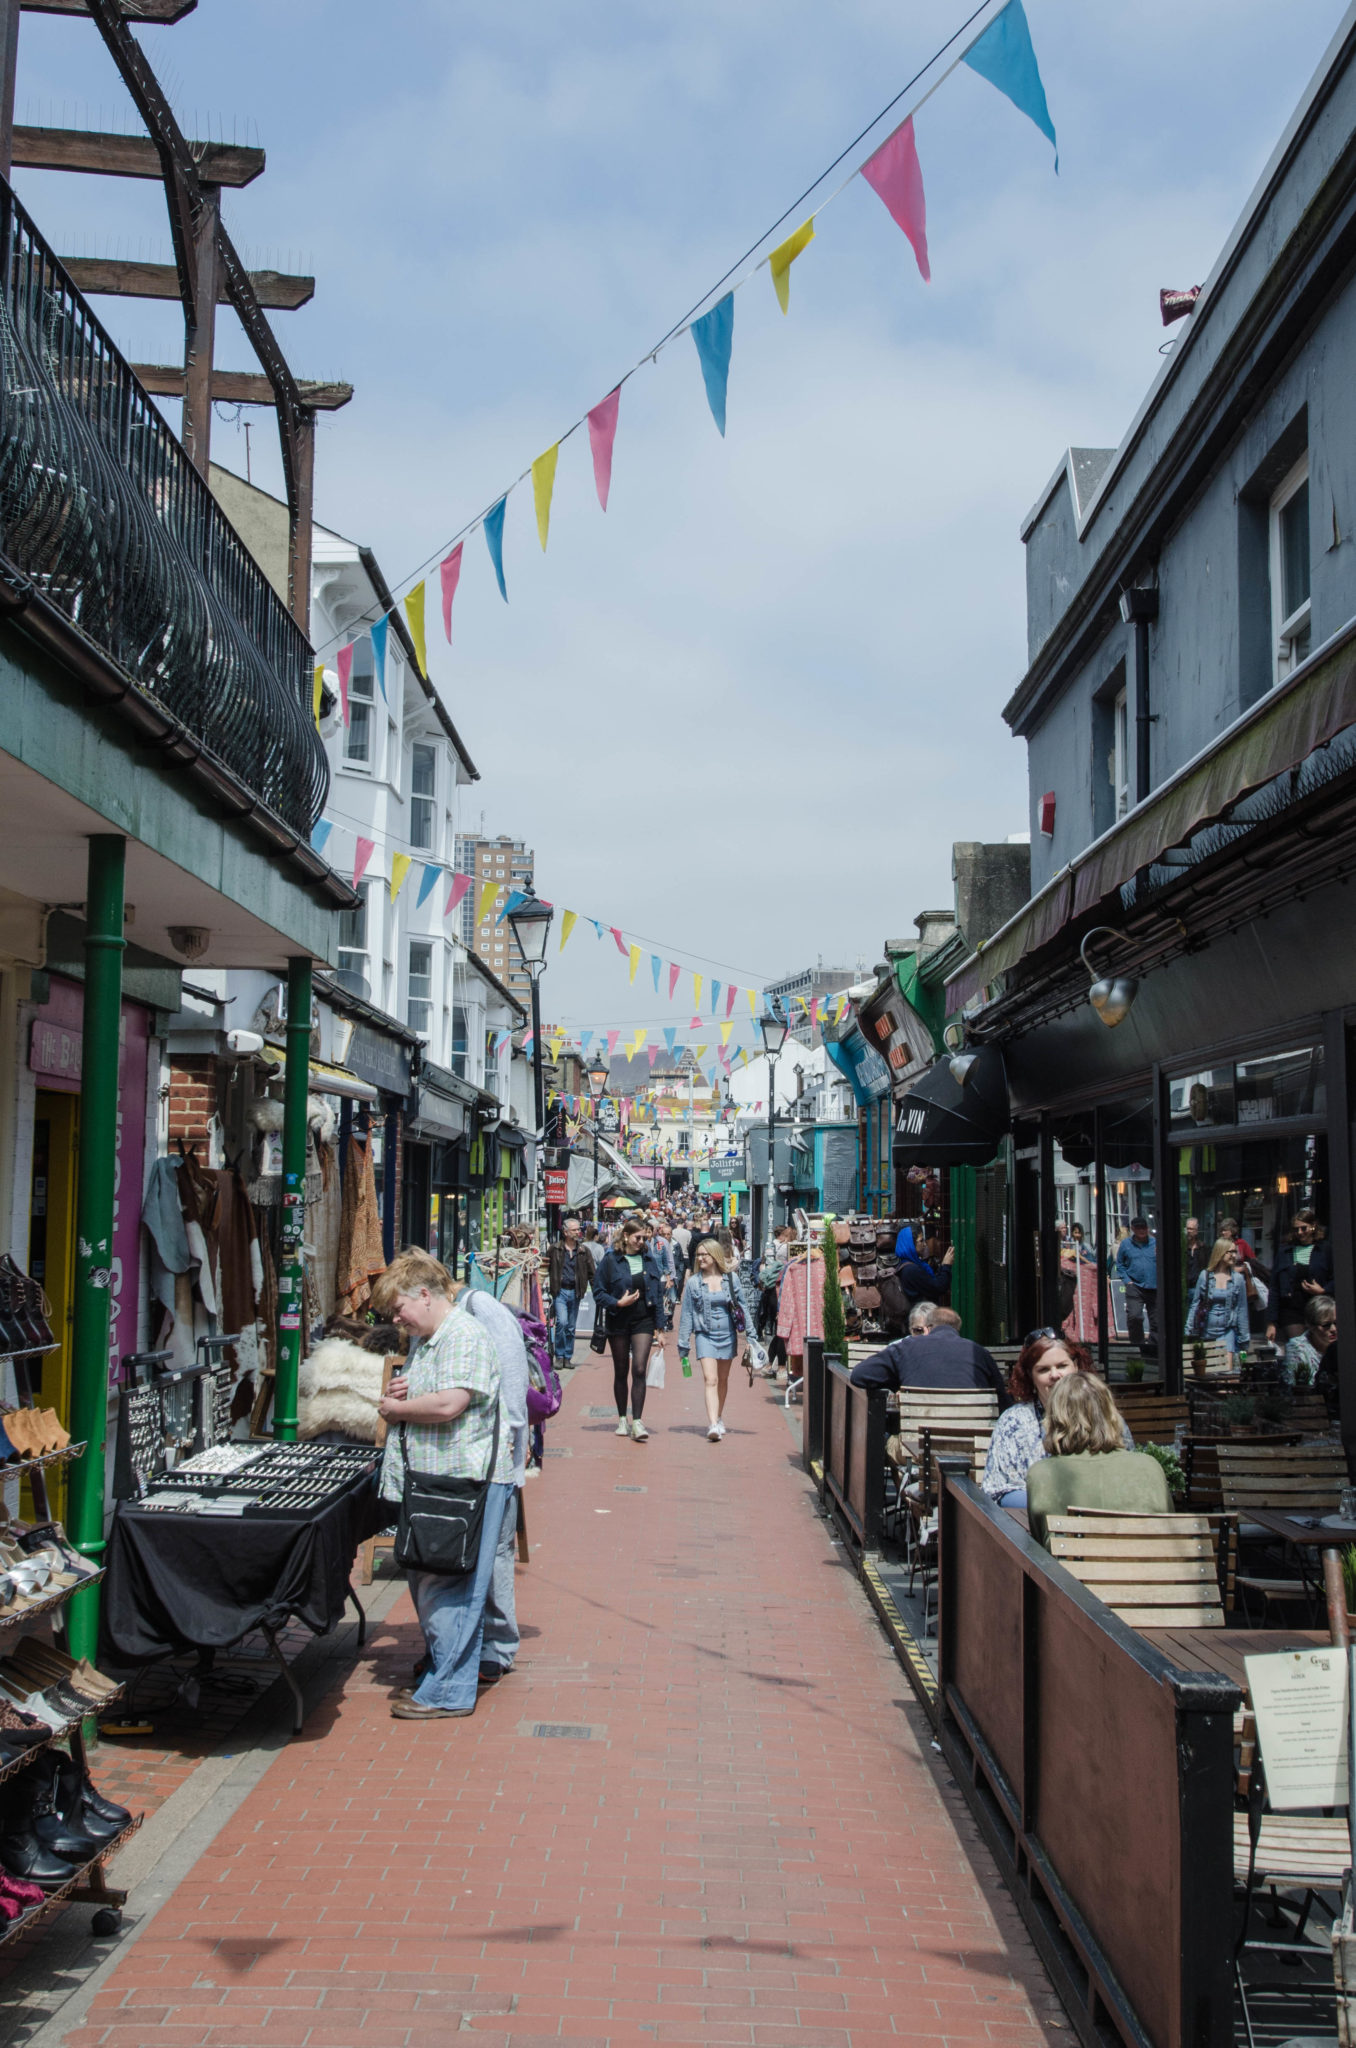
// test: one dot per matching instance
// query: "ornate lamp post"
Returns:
(774, 1031)
(598, 1079)
(531, 923)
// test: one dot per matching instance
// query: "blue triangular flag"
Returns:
(379, 632)
(320, 832)
(654, 969)
(432, 870)
(597, 928)
(670, 1033)
(713, 334)
(494, 540)
(715, 996)
(585, 1040)
(1003, 55)
(511, 902)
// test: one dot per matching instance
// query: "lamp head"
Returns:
(960, 1065)
(598, 1079)
(1111, 995)
(531, 923)
(774, 1030)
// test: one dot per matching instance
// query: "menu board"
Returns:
(1300, 1700)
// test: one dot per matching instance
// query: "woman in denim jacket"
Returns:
(708, 1318)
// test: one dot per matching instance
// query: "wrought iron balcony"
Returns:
(104, 516)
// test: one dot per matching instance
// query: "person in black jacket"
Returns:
(1302, 1270)
(629, 1288)
(940, 1358)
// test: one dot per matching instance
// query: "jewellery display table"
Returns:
(184, 1581)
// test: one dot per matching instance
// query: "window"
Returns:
(353, 947)
(459, 1041)
(1120, 753)
(1290, 618)
(361, 738)
(419, 1006)
(423, 775)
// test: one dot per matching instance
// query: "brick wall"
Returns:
(193, 1098)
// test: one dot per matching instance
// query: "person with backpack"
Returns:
(499, 1640)
(714, 1312)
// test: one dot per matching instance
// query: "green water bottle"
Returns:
(685, 1361)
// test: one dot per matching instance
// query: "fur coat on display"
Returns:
(339, 1387)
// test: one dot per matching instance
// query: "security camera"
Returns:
(241, 1043)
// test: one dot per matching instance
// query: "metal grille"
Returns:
(108, 519)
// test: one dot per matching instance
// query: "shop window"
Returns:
(1197, 1100)
(1120, 753)
(1290, 609)
(360, 739)
(1257, 1091)
(459, 1041)
(419, 1003)
(1250, 1192)
(423, 782)
(352, 951)
(1110, 753)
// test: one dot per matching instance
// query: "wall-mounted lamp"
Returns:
(1111, 996)
(960, 1062)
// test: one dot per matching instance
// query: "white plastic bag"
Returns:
(654, 1370)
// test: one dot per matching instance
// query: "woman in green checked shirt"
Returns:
(444, 1405)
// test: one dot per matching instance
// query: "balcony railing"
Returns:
(107, 519)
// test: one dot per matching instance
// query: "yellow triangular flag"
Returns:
(317, 690)
(743, 1054)
(697, 990)
(637, 1042)
(753, 1001)
(566, 927)
(400, 867)
(635, 960)
(543, 483)
(725, 1031)
(488, 892)
(414, 612)
(783, 256)
(700, 1050)
(839, 1008)
(557, 1040)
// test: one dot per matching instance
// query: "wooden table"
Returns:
(1301, 1534)
(1224, 1649)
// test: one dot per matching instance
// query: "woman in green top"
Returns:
(1086, 1465)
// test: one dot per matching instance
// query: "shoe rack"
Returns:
(88, 1885)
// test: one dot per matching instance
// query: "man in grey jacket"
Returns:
(499, 1644)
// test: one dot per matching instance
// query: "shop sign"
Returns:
(383, 1062)
(726, 1168)
(558, 1185)
(54, 1053)
(609, 1114)
(894, 1029)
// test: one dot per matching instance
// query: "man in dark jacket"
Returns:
(940, 1358)
(569, 1272)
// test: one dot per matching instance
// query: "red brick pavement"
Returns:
(750, 1848)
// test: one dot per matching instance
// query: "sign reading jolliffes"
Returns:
(722, 1168)
(609, 1114)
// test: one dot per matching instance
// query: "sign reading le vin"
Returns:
(912, 1118)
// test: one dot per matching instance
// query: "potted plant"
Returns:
(1198, 1358)
(1166, 1456)
(1134, 1370)
(1237, 1412)
(835, 1322)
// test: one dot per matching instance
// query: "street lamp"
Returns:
(531, 923)
(598, 1079)
(774, 1031)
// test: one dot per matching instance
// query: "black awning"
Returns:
(944, 1123)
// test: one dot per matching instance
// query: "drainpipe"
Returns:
(291, 1307)
(1139, 608)
(95, 1173)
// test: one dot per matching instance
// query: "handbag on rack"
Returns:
(438, 1528)
(842, 1233)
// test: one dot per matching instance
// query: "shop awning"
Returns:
(324, 1079)
(943, 1123)
(1305, 711)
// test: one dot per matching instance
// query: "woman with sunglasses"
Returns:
(1018, 1438)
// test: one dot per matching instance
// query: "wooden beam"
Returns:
(126, 280)
(240, 387)
(129, 156)
(132, 10)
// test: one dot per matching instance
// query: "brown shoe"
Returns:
(405, 1707)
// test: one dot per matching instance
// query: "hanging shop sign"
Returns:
(383, 1061)
(609, 1114)
(867, 1071)
(728, 1168)
(893, 1029)
(944, 1122)
(557, 1185)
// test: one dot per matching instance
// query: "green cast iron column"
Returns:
(290, 1286)
(95, 1171)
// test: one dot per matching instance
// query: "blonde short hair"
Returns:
(720, 1258)
(1081, 1416)
(407, 1273)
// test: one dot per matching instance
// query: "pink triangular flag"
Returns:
(460, 884)
(602, 433)
(674, 973)
(450, 573)
(653, 1051)
(695, 1025)
(621, 943)
(612, 1038)
(343, 661)
(729, 1000)
(362, 855)
(896, 177)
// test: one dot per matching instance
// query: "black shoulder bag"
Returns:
(438, 1529)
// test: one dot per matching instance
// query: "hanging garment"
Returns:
(172, 1263)
(360, 1251)
(791, 1304)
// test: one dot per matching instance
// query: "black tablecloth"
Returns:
(187, 1582)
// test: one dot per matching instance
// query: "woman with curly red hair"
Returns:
(1018, 1438)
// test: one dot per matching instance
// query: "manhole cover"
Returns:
(562, 1453)
(602, 1414)
(630, 1489)
(562, 1731)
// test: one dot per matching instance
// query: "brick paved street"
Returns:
(748, 1845)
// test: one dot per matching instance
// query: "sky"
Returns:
(744, 715)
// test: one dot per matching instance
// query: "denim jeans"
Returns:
(452, 1615)
(566, 1313)
(500, 1645)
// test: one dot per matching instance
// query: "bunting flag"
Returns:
(700, 1050)
(494, 541)
(896, 177)
(557, 1040)
(697, 988)
(432, 870)
(714, 336)
(753, 1002)
(602, 433)
(460, 884)
(1004, 55)
(637, 1042)
(414, 616)
(730, 995)
(621, 943)
(528, 1038)
(725, 1031)
(814, 1011)
(501, 1039)
(635, 960)
(488, 892)
(612, 1038)
(317, 691)
(670, 1034)
(400, 867)
(378, 633)
(715, 997)
(510, 904)
(839, 1008)
(343, 661)
(695, 1025)
(567, 924)
(585, 1040)
(653, 1051)
(783, 256)
(543, 484)
(743, 1054)
(674, 972)
(362, 854)
(320, 832)
(655, 965)
(449, 576)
